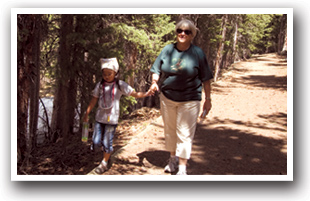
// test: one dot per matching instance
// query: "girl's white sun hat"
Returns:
(110, 63)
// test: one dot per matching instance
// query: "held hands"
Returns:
(149, 93)
(154, 87)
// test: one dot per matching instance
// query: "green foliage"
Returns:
(138, 40)
(141, 38)
(126, 102)
(254, 30)
(147, 33)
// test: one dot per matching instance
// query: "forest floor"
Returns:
(245, 132)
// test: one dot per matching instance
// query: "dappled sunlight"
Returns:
(234, 137)
(258, 144)
(246, 131)
(256, 160)
(237, 158)
(244, 134)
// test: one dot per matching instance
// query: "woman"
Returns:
(179, 73)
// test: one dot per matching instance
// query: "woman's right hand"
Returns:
(154, 87)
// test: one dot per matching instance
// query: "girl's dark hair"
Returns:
(116, 81)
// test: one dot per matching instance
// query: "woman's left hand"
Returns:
(206, 106)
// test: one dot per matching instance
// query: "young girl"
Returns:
(108, 93)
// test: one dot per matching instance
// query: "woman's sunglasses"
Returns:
(187, 32)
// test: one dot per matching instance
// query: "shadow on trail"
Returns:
(225, 151)
(279, 121)
(279, 118)
(154, 156)
(131, 166)
(276, 58)
(228, 152)
(265, 81)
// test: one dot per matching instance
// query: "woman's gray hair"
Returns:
(187, 24)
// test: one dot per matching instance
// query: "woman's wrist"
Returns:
(208, 98)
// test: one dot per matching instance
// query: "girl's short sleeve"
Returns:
(126, 89)
(95, 92)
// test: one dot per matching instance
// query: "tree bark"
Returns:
(220, 48)
(25, 70)
(60, 119)
(234, 57)
(282, 35)
(35, 83)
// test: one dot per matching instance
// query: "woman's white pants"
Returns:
(180, 120)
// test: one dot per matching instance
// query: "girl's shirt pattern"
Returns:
(109, 102)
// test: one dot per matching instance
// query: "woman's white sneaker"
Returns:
(181, 173)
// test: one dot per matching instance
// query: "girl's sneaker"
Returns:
(172, 164)
(101, 168)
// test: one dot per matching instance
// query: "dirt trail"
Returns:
(244, 134)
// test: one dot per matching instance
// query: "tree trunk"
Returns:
(25, 66)
(282, 34)
(220, 48)
(234, 53)
(285, 43)
(35, 84)
(60, 119)
(57, 116)
(131, 62)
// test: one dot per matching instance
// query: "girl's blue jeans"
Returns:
(103, 136)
